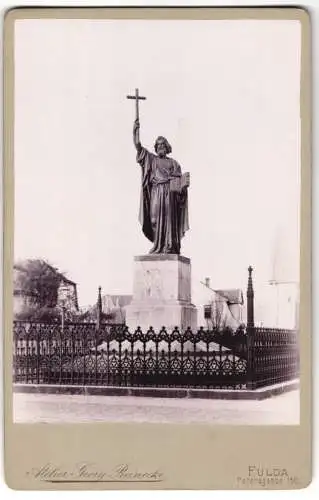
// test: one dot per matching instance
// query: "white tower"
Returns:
(284, 279)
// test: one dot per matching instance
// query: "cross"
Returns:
(137, 97)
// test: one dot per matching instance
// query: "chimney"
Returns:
(207, 282)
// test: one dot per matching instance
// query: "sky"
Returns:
(224, 93)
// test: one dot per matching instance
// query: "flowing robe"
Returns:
(163, 213)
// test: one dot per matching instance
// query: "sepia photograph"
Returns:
(157, 188)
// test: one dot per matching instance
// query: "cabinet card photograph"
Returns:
(157, 248)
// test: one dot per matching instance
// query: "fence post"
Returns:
(38, 356)
(62, 318)
(99, 309)
(251, 382)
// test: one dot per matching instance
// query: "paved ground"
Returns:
(47, 408)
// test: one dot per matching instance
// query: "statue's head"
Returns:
(162, 146)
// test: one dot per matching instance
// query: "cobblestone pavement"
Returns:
(49, 408)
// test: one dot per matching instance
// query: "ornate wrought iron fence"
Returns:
(82, 354)
(275, 356)
(111, 355)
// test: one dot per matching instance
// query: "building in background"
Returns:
(284, 283)
(112, 309)
(114, 306)
(218, 308)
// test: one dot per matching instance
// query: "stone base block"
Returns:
(161, 294)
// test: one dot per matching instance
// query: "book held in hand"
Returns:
(178, 183)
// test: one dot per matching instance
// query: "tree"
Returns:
(215, 315)
(38, 282)
(90, 315)
(218, 315)
(33, 313)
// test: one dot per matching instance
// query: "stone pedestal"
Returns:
(161, 294)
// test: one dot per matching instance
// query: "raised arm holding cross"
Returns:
(136, 129)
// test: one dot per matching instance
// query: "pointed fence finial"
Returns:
(250, 299)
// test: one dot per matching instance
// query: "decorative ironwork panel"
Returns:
(82, 354)
(275, 356)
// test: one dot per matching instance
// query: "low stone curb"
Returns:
(158, 392)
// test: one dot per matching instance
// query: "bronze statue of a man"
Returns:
(164, 199)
